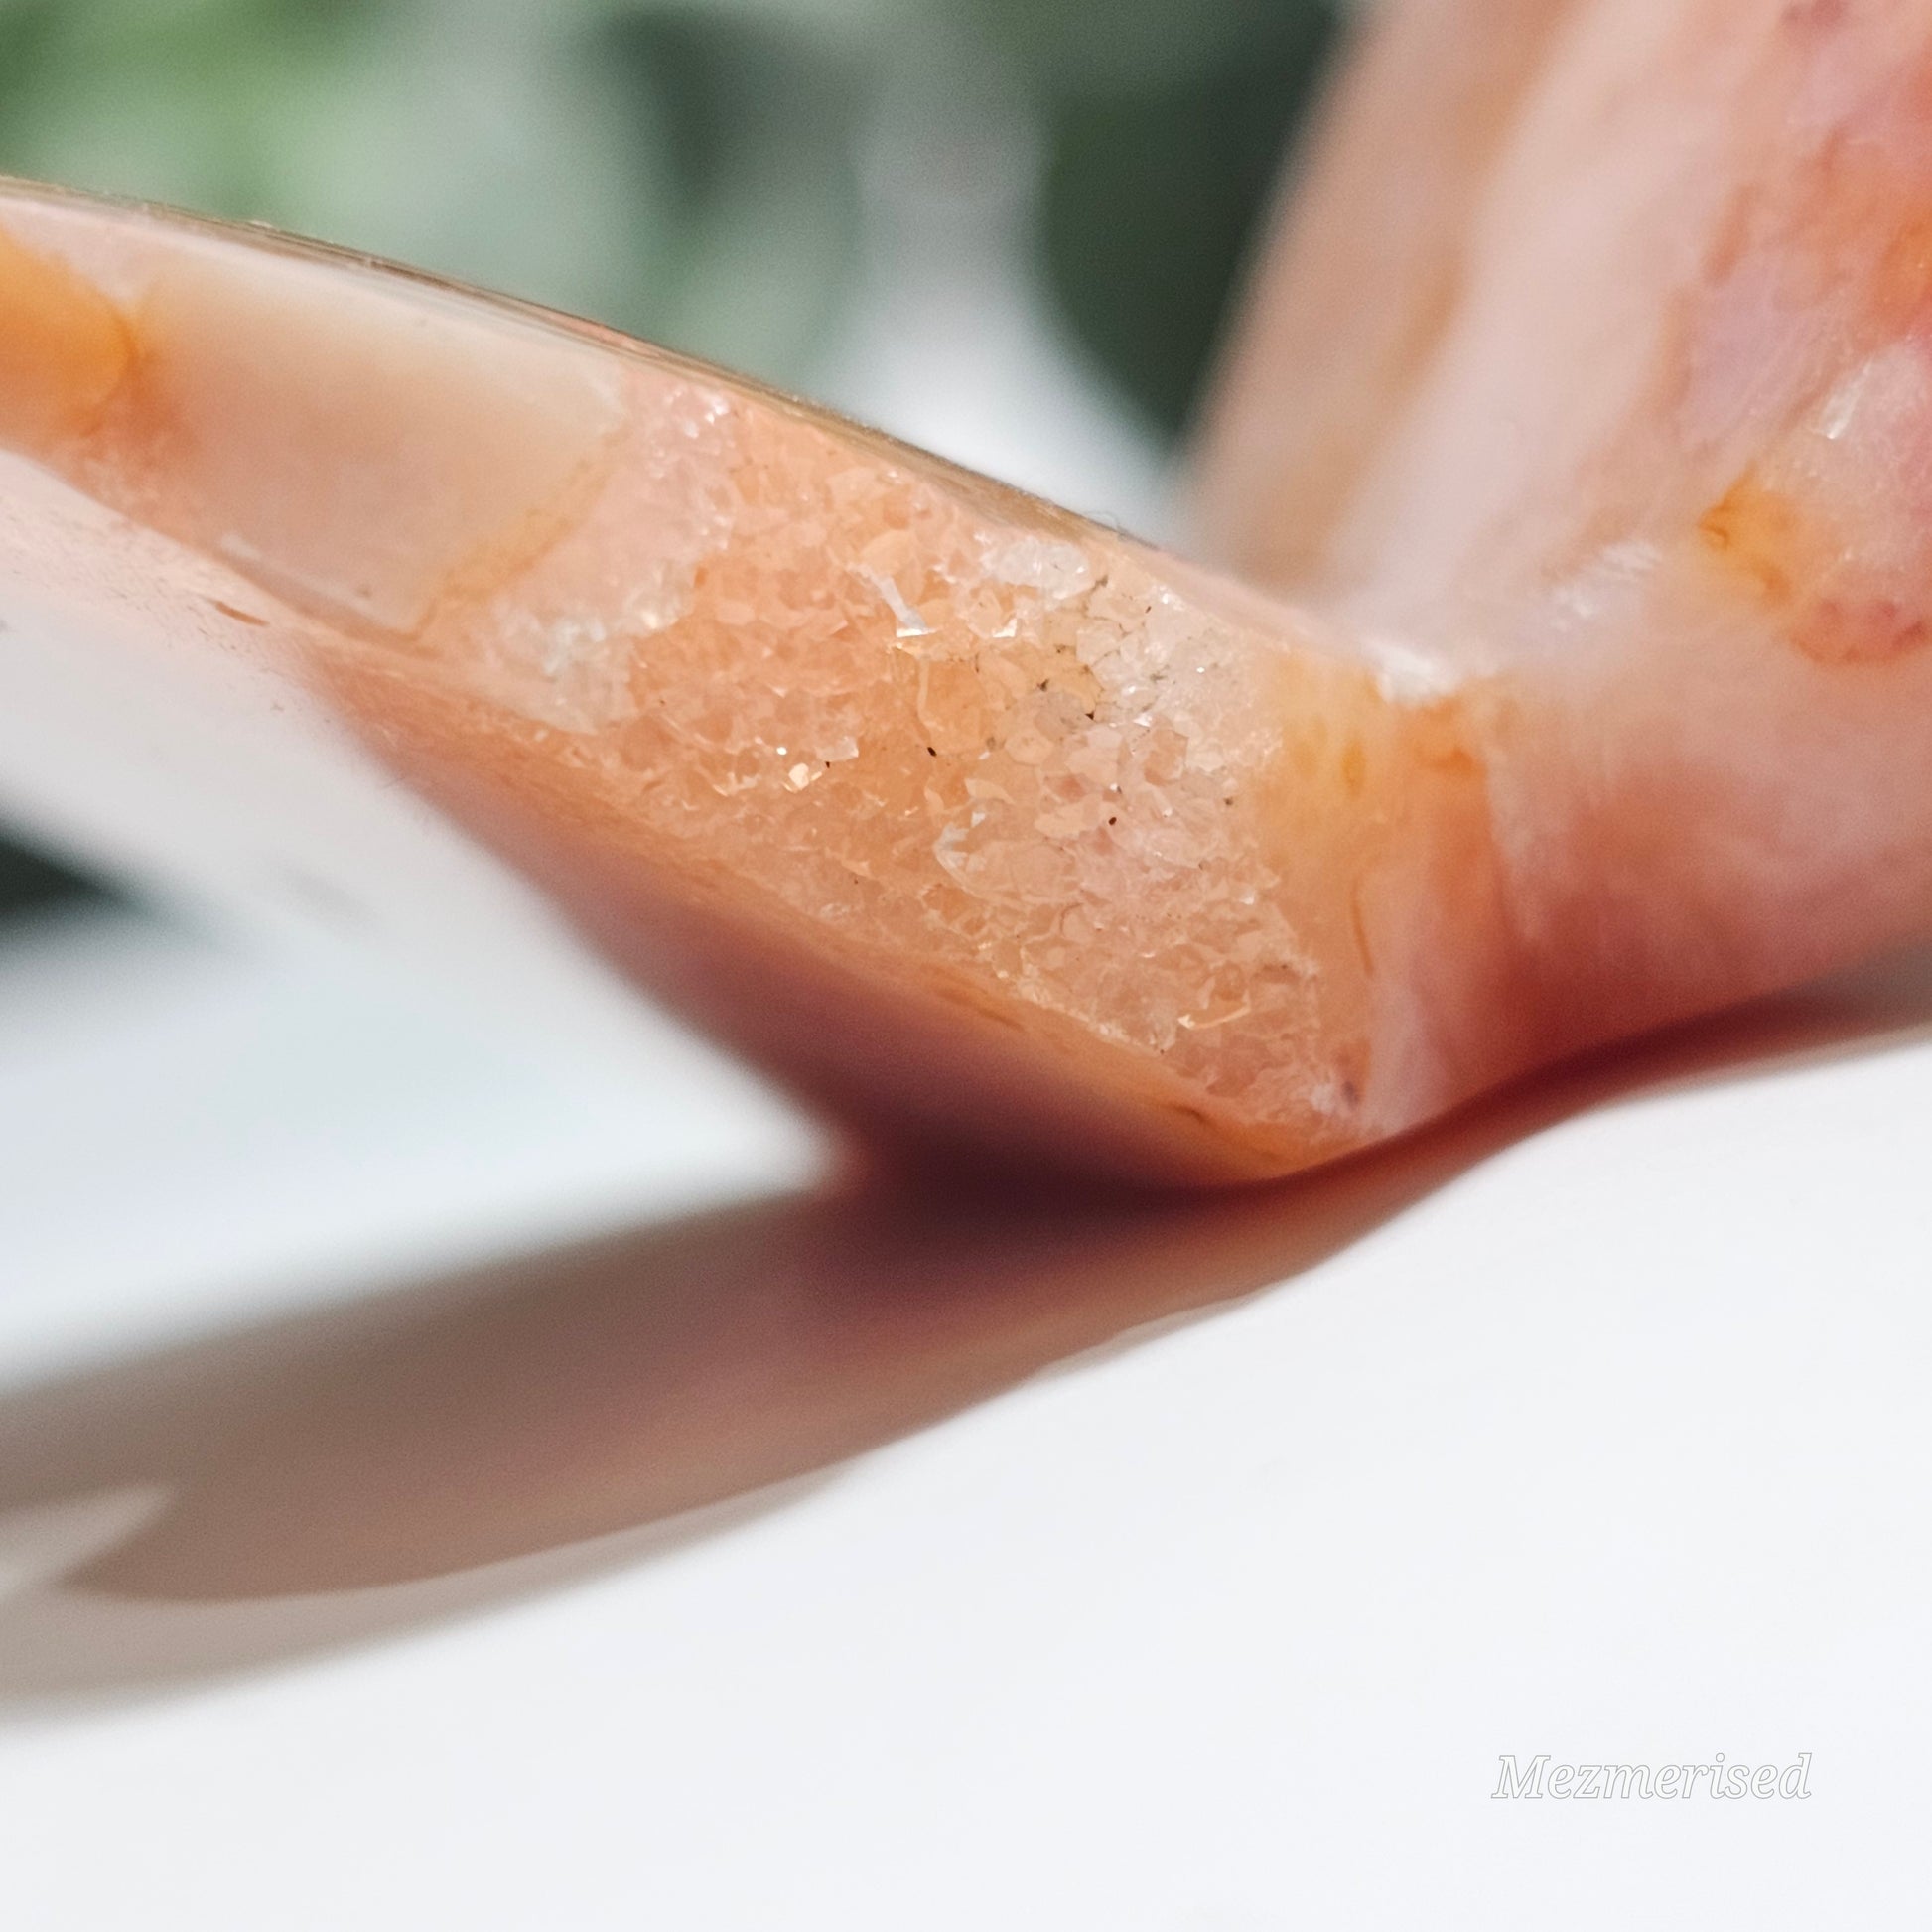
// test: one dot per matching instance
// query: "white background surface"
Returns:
(1614, 1445)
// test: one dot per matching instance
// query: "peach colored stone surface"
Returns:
(1584, 418)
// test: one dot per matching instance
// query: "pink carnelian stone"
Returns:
(1583, 413)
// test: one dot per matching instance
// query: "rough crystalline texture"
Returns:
(1585, 415)
(1641, 446)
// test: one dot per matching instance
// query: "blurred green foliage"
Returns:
(685, 169)
(1152, 193)
(27, 880)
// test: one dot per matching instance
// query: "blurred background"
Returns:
(1005, 229)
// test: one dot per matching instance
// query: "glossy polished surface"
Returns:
(1604, 700)
(956, 810)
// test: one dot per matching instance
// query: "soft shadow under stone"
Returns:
(436, 1447)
